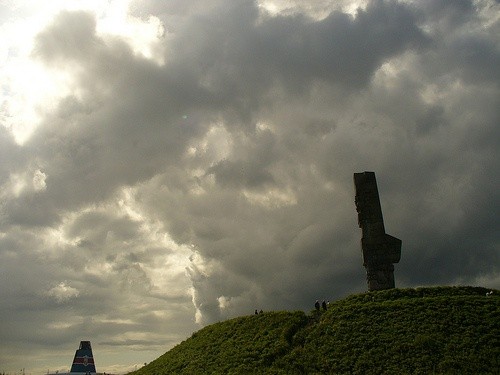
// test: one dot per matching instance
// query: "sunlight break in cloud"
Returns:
(63, 292)
(30, 90)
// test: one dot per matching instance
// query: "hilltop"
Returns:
(442, 330)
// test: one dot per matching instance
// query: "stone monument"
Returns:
(380, 250)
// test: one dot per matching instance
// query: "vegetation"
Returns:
(444, 330)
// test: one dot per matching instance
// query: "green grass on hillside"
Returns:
(444, 330)
(242, 345)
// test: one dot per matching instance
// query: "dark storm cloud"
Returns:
(241, 147)
(71, 36)
(250, 168)
(127, 122)
(240, 55)
(423, 146)
(122, 126)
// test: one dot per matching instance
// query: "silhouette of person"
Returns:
(316, 305)
(323, 305)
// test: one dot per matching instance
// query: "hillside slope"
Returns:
(445, 330)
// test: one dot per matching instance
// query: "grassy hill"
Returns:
(442, 330)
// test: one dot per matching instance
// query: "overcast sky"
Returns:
(169, 164)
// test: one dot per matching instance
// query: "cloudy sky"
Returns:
(169, 164)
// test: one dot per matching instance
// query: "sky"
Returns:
(169, 164)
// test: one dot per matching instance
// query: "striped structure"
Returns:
(84, 360)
